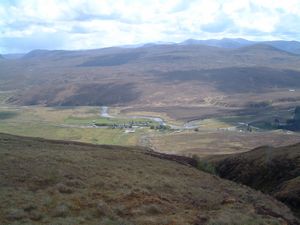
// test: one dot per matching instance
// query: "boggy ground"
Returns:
(60, 182)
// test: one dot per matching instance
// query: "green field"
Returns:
(104, 121)
(53, 123)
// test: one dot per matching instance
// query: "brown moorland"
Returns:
(155, 75)
(60, 182)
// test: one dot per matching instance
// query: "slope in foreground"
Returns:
(57, 182)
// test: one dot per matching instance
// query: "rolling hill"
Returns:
(60, 182)
(275, 171)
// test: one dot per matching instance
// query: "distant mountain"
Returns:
(157, 43)
(44, 53)
(226, 43)
(69, 54)
(223, 43)
(260, 48)
(275, 171)
(146, 44)
(288, 46)
(13, 56)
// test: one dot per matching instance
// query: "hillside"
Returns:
(289, 46)
(59, 182)
(177, 74)
(275, 171)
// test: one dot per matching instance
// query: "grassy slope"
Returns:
(58, 182)
(272, 170)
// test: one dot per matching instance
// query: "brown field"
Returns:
(205, 143)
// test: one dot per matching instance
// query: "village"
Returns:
(132, 125)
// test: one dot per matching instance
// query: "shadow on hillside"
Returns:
(112, 60)
(238, 79)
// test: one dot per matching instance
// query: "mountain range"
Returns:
(289, 46)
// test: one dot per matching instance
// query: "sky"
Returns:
(85, 24)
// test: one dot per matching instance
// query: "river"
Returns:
(187, 126)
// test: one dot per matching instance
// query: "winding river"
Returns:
(187, 126)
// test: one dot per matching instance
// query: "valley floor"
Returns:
(206, 136)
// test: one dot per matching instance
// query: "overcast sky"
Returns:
(84, 24)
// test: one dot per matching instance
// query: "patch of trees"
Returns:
(160, 127)
(262, 104)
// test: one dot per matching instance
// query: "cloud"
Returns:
(26, 43)
(221, 23)
(82, 24)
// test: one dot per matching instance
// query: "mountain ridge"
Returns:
(289, 46)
